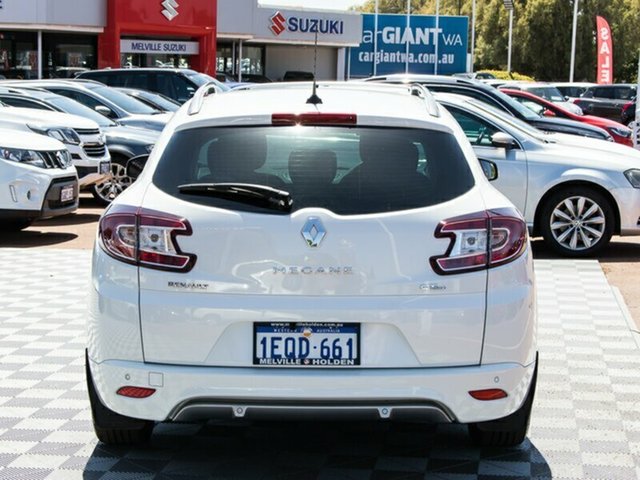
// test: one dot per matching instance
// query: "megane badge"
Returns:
(313, 232)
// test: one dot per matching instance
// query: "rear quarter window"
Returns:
(349, 171)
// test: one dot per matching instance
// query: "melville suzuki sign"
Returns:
(159, 46)
(392, 55)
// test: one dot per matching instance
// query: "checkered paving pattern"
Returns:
(586, 418)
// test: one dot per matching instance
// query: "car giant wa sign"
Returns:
(420, 36)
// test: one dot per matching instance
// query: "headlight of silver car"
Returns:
(63, 134)
(30, 157)
(633, 176)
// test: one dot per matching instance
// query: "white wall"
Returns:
(280, 58)
(86, 13)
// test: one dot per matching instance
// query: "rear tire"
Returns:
(508, 431)
(111, 427)
(105, 192)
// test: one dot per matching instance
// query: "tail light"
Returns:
(145, 238)
(481, 240)
(315, 119)
(628, 106)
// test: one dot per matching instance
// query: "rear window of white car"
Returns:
(349, 171)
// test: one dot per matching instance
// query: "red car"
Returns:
(618, 131)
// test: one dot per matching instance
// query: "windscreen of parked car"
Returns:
(548, 93)
(521, 109)
(201, 79)
(160, 100)
(491, 113)
(349, 171)
(128, 104)
(74, 108)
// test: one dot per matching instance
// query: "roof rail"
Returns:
(421, 91)
(198, 98)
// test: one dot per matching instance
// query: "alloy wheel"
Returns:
(577, 223)
(114, 186)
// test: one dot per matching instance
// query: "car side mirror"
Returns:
(135, 166)
(490, 169)
(503, 140)
(102, 110)
(548, 113)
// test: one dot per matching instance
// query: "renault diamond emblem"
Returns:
(313, 231)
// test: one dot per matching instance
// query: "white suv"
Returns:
(81, 136)
(37, 179)
(281, 256)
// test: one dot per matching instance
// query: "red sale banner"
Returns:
(605, 52)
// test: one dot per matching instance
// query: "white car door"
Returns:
(512, 178)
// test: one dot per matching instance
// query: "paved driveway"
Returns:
(586, 420)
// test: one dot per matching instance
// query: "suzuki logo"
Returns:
(278, 23)
(170, 9)
(313, 231)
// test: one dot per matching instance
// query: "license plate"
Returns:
(306, 344)
(66, 194)
(105, 167)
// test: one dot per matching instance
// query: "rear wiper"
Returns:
(259, 195)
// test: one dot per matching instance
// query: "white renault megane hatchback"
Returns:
(286, 255)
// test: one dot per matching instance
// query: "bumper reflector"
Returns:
(136, 392)
(488, 394)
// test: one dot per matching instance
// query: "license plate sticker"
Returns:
(105, 167)
(66, 194)
(306, 344)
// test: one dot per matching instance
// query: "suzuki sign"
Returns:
(170, 10)
(297, 23)
(284, 26)
(420, 36)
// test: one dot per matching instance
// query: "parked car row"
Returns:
(122, 142)
(498, 99)
(613, 102)
(99, 127)
(529, 113)
(607, 100)
(620, 133)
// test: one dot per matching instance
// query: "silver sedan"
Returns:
(575, 192)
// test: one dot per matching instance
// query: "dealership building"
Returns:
(271, 40)
(58, 38)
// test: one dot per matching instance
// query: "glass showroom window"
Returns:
(19, 55)
(66, 55)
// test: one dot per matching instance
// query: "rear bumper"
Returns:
(433, 394)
